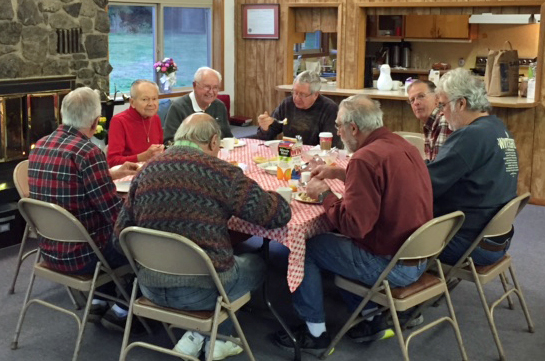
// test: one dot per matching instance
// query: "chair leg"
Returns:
(15, 341)
(20, 259)
(505, 284)
(487, 311)
(397, 326)
(240, 334)
(521, 299)
(214, 332)
(72, 298)
(128, 323)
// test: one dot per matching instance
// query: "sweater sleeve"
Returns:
(117, 144)
(275, 128)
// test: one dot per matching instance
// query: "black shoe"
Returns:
(96, 313)
(308, 343)
(404, 317)
(368, 331)
(111, 321)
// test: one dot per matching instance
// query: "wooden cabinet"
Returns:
(437, 26)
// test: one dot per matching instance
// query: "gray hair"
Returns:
(198, 128)
(430, 84)
(80, 108)
(362, 111)
(459, 83)
(200, 72)
(137, 82)
(309, 77)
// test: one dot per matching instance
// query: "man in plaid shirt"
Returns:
(423, 101)
(67, 169)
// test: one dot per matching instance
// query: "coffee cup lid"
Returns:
(326, 134)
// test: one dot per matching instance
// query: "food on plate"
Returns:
(260, 159)
(234, 162)
(236, 141)
(305, 198)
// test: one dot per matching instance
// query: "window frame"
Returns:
(217, 41)
(313, 53)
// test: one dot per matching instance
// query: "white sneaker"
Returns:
(189, 345)
(223, 349)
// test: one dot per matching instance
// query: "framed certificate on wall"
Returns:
(260, 21)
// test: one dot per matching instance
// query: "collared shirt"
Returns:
(187, 143)
(436, 132)
(196, 107)
(67, 169)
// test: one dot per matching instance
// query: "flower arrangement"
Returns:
(101, 131)
(168, 68)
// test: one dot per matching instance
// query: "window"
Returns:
(143, 33)
(316, 44)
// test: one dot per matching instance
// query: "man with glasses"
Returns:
(203, 99)
(423, 101)
(136, 134)
(307, 112)
(476, 170)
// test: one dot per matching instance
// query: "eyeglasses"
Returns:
(440, 105)
(339, 125)
(418, 97)
(300, 95)
(209, 88)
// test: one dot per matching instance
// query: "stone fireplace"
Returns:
(43, 38)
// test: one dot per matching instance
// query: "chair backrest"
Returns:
(168, 253)
(427, 241)
(500, 224)
(416, 139)
(20, 178)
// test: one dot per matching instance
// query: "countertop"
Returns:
(327, 89)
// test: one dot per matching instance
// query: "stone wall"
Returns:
(28, 40)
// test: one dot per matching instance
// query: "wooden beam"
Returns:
(449, 4)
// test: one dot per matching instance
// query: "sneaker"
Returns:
(404, 317)
(368, 331)
(96, 312)
(188, 345)
(308, 343)
(222, 349)
(111, 321)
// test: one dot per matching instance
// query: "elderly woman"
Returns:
(476, 170)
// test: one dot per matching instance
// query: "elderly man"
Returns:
(136, 135)
(67, 169)
(385, 177)
(476, 170)
(189, 191)
(423, 101)
(306, 111)
(203, 99)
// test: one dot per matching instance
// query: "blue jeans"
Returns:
(458, 245)
(338, 254)
(250, 272)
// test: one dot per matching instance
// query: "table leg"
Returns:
(297, 349)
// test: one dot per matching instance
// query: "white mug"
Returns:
(397, 85)
(228, 143)
(285, 192)
(305, 177)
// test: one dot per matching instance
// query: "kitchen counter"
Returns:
(328, 89)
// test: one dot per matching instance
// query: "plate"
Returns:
(269, 167)
(123, 187)
(238, 143)
(300, 197)
(242, 166)
(260, 159)
(268, 143)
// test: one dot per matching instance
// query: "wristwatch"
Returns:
(324, 194)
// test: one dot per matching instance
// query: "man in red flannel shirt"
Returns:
(67, 169)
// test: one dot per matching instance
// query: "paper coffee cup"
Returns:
(228, 143)
(285, 192)
(305, 177)
(326, 138)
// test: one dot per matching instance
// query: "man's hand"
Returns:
(328, 172)
(265, 121)
(128, 168)
(152, 150)
(315, 187)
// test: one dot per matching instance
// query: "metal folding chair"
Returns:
(416, 139)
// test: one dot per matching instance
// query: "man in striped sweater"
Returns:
(190, 191)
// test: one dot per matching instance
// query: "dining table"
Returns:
(307, 219)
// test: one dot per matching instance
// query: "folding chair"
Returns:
(54, 222)
(416, 139)
(426, 242)
(162, 252)
(465, 269)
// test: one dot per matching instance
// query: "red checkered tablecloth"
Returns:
(307, 220)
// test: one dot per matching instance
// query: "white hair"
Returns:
(80, 108)
(362, 111)
(134, 86)
(459, 83)
(200, 72)
(198, 128)
(309, 77)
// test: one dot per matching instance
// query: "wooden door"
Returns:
(452, 26)
(420, 26)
